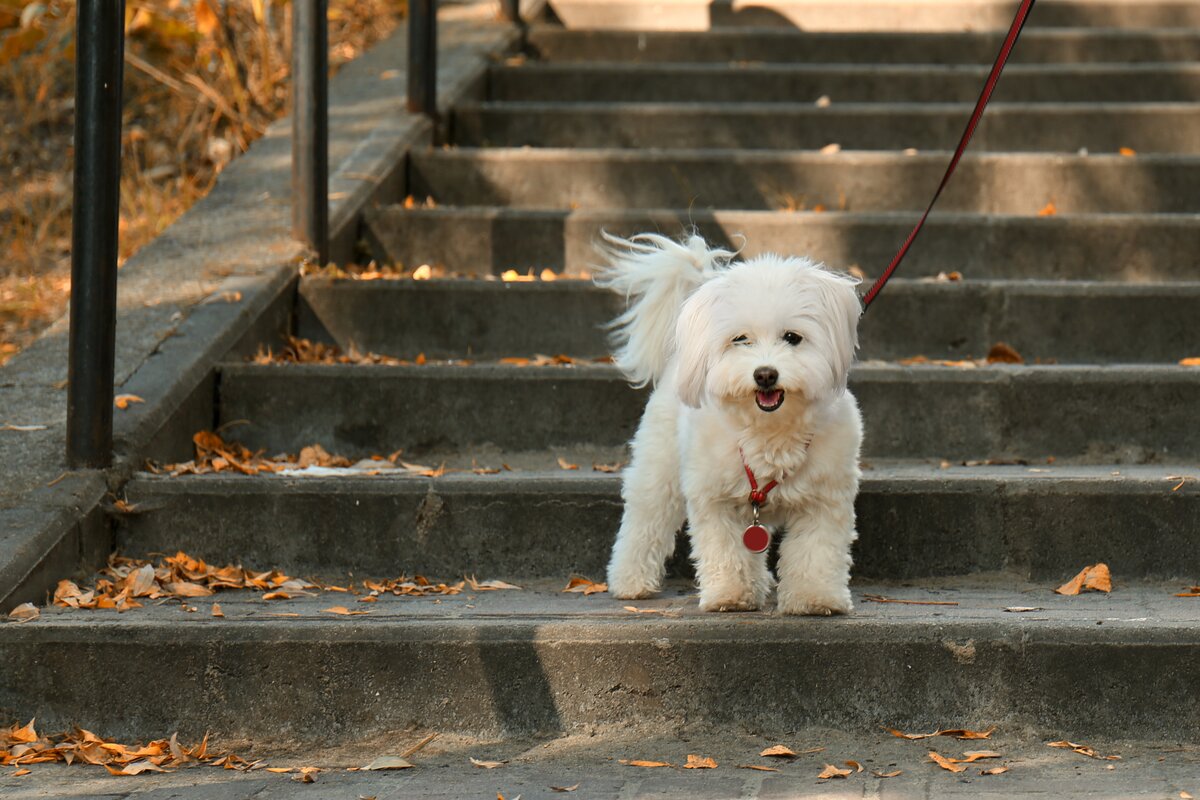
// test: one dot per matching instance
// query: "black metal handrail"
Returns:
(422, 57)
(100, 45)
(95, 218)
(310, 125)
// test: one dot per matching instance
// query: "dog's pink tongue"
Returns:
(769, 398)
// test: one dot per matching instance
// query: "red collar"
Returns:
(758, 497)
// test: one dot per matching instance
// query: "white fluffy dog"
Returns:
(749, 361)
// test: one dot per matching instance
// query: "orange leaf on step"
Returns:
(831, 771)
(1095, 577)
(123, 401)
(945, 763)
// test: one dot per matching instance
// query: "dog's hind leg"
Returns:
(654, 509)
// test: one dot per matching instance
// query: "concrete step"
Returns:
(1087, 414)
(513, 663)
(1064, 321)
(869, 15)
(767, 180)
(784, 45)
(858, 83)
(915, 520)
(588, 764)
(1089, 247)
(1099, 127)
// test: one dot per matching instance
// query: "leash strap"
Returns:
(1001, 59)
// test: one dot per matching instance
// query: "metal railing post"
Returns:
(310, 124)
(422, 57)
(95, 219)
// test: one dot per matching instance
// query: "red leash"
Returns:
(1001, 59)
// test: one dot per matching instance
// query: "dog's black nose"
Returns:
(766, 377)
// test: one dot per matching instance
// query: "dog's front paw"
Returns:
(731, 599)
(815, 605)
(728, 604)
(627, 588)
(730, 594)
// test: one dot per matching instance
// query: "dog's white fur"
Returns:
(686, 305)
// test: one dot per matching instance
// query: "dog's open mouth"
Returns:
(769, 400)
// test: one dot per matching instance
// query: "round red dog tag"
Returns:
(756, 538)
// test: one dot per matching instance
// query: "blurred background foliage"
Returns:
(203, 79)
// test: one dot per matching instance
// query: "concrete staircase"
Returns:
(984, 487)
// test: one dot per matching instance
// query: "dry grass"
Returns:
(203, 79)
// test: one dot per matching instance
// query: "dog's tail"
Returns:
(656, 275)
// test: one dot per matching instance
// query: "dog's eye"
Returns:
(741, 339)
(793, 338)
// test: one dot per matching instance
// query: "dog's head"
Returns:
(765, 333)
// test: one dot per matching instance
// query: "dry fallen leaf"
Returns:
(779, 751)
(1192, 361)
(563, 788)
(135, 768)
(216, 610)
(648, 764)
(1023, 609)
(343, 611)
(831, 771)
(994, 771)
(31, 428)
(1082, 749)
(487, 764)
(26, 612)
(489, 586)
(1127, 151)
(854, 765)
(608, 467)
(223, 297)
(581, 585)
(976, 755)
(1002, 353)
(946, 763)
(876, 598)
(21, 772)
(564, 464)
(1191, 591)
(1047, 210)
(759, 767)
(123, 401)
(887, 774)
(307, 775)
(1095, 577)
(187, 589)
(276, 596)
(388, 762)
(699, 762)
(957, 733)
(830, 149)
(636, 610)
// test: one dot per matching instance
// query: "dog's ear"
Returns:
(842, 312)
(694, 345)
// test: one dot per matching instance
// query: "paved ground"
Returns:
(592, 763)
